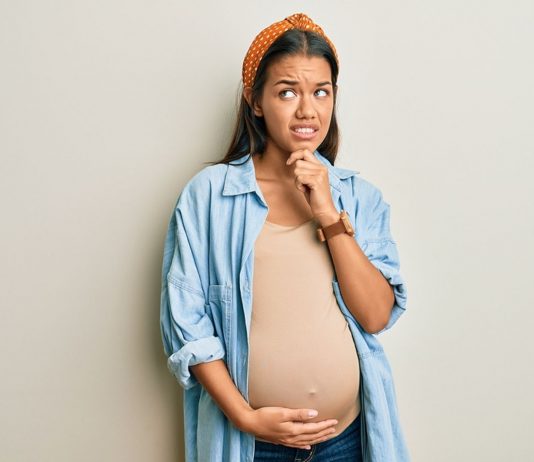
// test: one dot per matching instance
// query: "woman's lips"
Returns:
(304, 134)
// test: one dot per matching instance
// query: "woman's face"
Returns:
(297, 103)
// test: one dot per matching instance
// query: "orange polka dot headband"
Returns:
(267, 36)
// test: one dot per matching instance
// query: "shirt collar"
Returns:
(241, 178)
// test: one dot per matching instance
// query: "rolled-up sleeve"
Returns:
(187, 329)
(381, 250)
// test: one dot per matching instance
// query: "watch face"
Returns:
(346, 222)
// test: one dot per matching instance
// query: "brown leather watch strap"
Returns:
(341, 226)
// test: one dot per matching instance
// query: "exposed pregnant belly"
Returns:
(305, 363)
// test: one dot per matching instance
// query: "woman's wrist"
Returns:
(328, 218)
(215, 378)
(244, 419)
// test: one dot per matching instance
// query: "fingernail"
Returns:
(312, 413)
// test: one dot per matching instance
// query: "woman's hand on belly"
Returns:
(289, 427)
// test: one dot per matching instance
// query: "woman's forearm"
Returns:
(215, 378)
(366, 292)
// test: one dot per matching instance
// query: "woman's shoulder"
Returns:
(353, 182)
(360, 186)
(364, 188)
(205, 180)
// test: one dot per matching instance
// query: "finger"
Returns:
(305, 446)
(298, 445)
(310, 428)
(307, 171)
(324, 437)
(308, 180)
(314, 439)
(300, 415)
(300, 186)
(300, 154)
(308, 438)
(307, 162)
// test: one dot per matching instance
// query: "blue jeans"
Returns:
(345, 447)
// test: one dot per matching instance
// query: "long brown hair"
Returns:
(250, 134)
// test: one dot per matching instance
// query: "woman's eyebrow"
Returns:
(294, 82)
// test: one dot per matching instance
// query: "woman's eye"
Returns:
(283, 92)
(289, 93)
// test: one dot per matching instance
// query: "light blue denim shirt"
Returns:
(206, 303)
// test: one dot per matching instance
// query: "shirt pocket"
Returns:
(219, 304)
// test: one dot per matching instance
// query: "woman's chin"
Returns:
(311, 145)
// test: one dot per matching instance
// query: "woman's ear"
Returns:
(256, 107)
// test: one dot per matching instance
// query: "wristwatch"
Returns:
(341, 226)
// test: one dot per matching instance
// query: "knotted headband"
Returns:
(267, 36)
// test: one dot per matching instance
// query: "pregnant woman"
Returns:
(278, 271)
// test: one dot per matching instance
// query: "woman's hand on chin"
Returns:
(311, 177)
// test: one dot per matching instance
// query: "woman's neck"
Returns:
(272, 165)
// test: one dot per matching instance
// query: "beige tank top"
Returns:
(302, 354)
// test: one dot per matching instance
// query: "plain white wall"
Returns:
(108, 107)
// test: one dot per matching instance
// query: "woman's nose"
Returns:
(305, 109)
